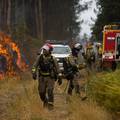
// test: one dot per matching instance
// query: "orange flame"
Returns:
(7, 47)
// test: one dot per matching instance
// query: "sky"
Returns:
(86, 16)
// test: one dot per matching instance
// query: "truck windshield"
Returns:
(61, 50)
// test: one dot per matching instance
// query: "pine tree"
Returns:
(108, 13)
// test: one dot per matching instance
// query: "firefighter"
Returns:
(99, 57)
(71, 66)
(78, 54)
(48, 71)
(90, 56)
(70, 71)
(99, 50)
(75, 51)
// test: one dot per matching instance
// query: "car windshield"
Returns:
(61, 50)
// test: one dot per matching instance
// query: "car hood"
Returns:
(61, 55)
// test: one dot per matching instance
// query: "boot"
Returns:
(45, 104)
(70, 88)
(69, 91)
(50, 106)
(77, 89)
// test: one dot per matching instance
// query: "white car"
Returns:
(60, 52)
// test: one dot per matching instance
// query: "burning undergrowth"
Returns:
(11, 60)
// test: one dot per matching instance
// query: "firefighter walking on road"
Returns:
(48, 71)
(71, 66)
(70, 70)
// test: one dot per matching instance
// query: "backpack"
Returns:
(69, 69)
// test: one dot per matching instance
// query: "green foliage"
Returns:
(105, 89)
(108, 13)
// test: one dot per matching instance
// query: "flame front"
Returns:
(7, 50)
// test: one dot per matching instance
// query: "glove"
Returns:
(33, 70)
(34, 76)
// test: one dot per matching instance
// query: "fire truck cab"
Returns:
(111, 46)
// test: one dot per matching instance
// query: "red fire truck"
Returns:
(111, 46)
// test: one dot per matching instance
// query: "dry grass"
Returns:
(22, 100)
(87, 110)
(19, 100)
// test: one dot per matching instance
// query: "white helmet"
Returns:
(78, 46)
(46, 47)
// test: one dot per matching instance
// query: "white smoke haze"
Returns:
(86, 17)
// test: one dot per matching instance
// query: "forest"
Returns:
(43, 19)
(107, 13)
(25, 25)
(55, 19)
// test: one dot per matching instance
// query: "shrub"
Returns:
(105, 89)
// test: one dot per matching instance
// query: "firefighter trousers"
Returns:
(45, 88)
(74, 83)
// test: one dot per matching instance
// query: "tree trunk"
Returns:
(37, 19)
(3, 15)
(9, 16)
(41, 20)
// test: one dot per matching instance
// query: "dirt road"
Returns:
(19, 100)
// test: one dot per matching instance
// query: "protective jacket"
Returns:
(90, 54)
(46, 66)
(70, 68)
